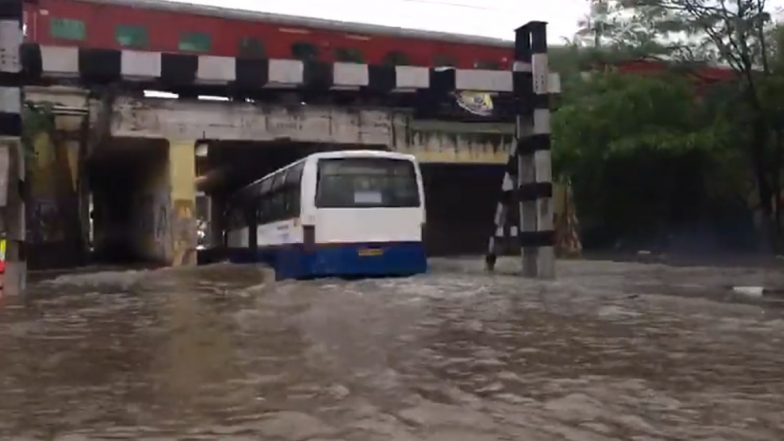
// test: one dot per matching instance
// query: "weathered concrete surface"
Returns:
(54, 177)
(182, 176)
(146, 201)
(430, 141)
(454, 143)
(607, 352)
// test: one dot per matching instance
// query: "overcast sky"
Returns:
(491, 18)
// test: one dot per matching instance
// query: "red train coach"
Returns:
(162, 26)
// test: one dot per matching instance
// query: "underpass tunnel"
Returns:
(461, 200)
(162, 202)
(130, 189)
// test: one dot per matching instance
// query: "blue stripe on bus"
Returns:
(340, 260)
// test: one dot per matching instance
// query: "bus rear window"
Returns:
(366, 183)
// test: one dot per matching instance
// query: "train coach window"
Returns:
(251, 47)
(488, 65)
(304, 51)
(396, 58)
(67, 29)
(195, 42)
(132, 36)
(444, 61)
(349, 55)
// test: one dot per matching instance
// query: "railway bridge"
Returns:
(128, 153)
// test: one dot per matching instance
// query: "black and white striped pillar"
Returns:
(528, 178)
(11, 81)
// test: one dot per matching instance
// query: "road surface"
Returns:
(609, 351)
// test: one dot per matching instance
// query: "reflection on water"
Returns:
(226, 353)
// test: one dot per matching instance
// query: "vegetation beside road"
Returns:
(673, 160)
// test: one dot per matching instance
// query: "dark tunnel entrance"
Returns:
(461, 201)
(127, 179)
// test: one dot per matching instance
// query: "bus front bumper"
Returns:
(353, 260)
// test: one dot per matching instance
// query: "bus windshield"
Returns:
(366, 183)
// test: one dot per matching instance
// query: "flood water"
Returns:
(609, 351)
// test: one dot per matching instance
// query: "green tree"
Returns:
(731, 32)
(738, 34)
(644, 153)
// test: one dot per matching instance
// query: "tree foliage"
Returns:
(640, 151)
(719, 145)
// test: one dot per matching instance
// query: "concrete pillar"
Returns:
(182, 173)
(147, 229)
(12, 171)
(528, 179)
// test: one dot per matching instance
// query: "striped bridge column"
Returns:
(528, 178)
(504, 226)
(11, 153)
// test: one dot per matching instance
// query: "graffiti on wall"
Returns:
(161, 218)
(152, 214)
(45, 222)
(152, 217)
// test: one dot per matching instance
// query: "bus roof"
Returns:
(328, 155)
(361, 154)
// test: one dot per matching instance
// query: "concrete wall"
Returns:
(150, 215)
(54, 147)
(145, 201)
(430, 141)
(57, 212)
(182, 172)
(442, 142)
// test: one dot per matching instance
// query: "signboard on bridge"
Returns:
(477, 103)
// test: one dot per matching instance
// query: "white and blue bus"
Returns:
(350, 213)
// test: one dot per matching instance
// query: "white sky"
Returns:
(490, 18)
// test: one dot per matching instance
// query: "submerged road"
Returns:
(609, 351)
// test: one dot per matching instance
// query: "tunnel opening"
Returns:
(132, 212)
(460, 200)
(129, 182)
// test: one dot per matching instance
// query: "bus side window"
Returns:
(294, 176)
(292, 191)
(266, 185)
(294, 196)
(264, 208)
(259, 204)
(279, 204)
(263, 201)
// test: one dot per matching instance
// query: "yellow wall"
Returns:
(182, 167)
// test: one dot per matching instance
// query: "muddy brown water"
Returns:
(609, 351)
